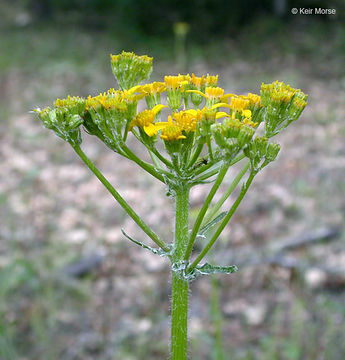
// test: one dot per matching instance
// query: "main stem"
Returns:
(179, 287)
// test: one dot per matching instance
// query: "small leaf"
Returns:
(205, 269)
(159, 252)
(213, 222)
(208, 269)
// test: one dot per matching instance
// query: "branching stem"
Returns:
(204, 208)
(223, 223)
(120, 199)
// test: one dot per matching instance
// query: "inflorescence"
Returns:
(203, 122)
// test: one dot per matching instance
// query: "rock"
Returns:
(315, 278)
(255, 314)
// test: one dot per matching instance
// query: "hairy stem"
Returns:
(179, 287)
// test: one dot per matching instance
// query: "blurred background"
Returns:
(71, 286)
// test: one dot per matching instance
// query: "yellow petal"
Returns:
(150, 130)
(221, 114)
(216, 106)
(134, 89)
(246, 113)
(158, 108)
(161, 125)
(197, 92)
(191, 112)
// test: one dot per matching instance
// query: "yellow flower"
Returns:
(211, 80)
(299, 103)
(129, 95)
(246, 113)
(145, 119)
(185, 77)
(185, 120)
(198, 81)
(254, 99)
(214, 92)
(278, 92)
(238, 103)
(249, 122)
(171, 131)
(106, 102)
(130, 56)
(208, 112)
(210, 93)
(152, 88)
(69, 102)
(175, 81)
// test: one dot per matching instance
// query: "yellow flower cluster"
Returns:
(106, 102)
(254, 100)
(69, 102)
(151, 88)
(112, 114)
(145, 119)
(172, 132)
(130, 56)
(183, 122)
(299, 103)
(176, 81)
(199, 82)
(186, 120)
(279, 92)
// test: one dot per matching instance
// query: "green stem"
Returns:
(147, 167)
(205, 175)
(195, 155)
(120, 199)
(155, 160)
(204, 208)
(179, 286)
(212, 212)
(216, 320)
(223, 223)
(165, 161)
(203, 168)
(209, 145)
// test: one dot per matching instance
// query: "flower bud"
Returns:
(282, 105)
(260, 153)
(130, 69)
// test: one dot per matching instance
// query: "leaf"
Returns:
(159, 252)
(205, 269)
(208, 269)
(210, 224)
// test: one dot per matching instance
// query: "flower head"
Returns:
(211, 80)
(174, 82)
(130, 69)
(185, 120)
(171, 131)
(145, 119)
(239, 103)
(153, 88)
(197, 81)
(282, 104)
